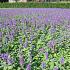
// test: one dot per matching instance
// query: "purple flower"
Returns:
(27, 21)
(51, 44)
(20, 40)
(28, 67)
(52, 30)
(42, 49)
(22, 20)
(13, 21)
(0, 24)
(0, 34)
(32, 37)
(40, 17)
(21, 60)
(12, 32)
(62, 60)
(11, 37)
(32, 20)
(46, 54)
(55, 68)
(26, 43)
(4, 56)
(9, 60)
(43, 64)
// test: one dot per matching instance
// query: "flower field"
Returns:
(35, 39)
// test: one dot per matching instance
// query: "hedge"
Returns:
(35, 5)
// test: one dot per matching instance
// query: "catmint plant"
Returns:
(62, 60)
(43, 65)
(46, 55)
(55, 68)
(21, 60)
(51, 44)
(28, 67)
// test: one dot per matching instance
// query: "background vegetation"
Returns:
(35, 5)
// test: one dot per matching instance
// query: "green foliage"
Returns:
(34, 5)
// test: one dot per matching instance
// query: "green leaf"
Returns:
(48, 37)
(10, 67)
(51, 65)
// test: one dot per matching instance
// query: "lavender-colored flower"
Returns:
(62, 60)
(52, 30)
(20, 40)
(4, 25)
(27, 21)
(21, 60)
(26, 43)
(9, 60)
(40, 17)
(46, 54)
(0, 24)
(22, 20)
(28, 67)
(4, 56)
(32, 37)
(55, 68)
(13, 21)
(43, 64)
(51, 43)
(42, 49)
(0, 34)
(32, 20)
(11, 37)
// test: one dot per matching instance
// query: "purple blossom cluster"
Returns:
(51, 44)
(6, 57)
(28, 67)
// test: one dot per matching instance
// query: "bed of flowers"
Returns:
(35, 39)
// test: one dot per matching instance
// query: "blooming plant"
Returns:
(35, 39)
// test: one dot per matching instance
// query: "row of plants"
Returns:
(35, 5)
